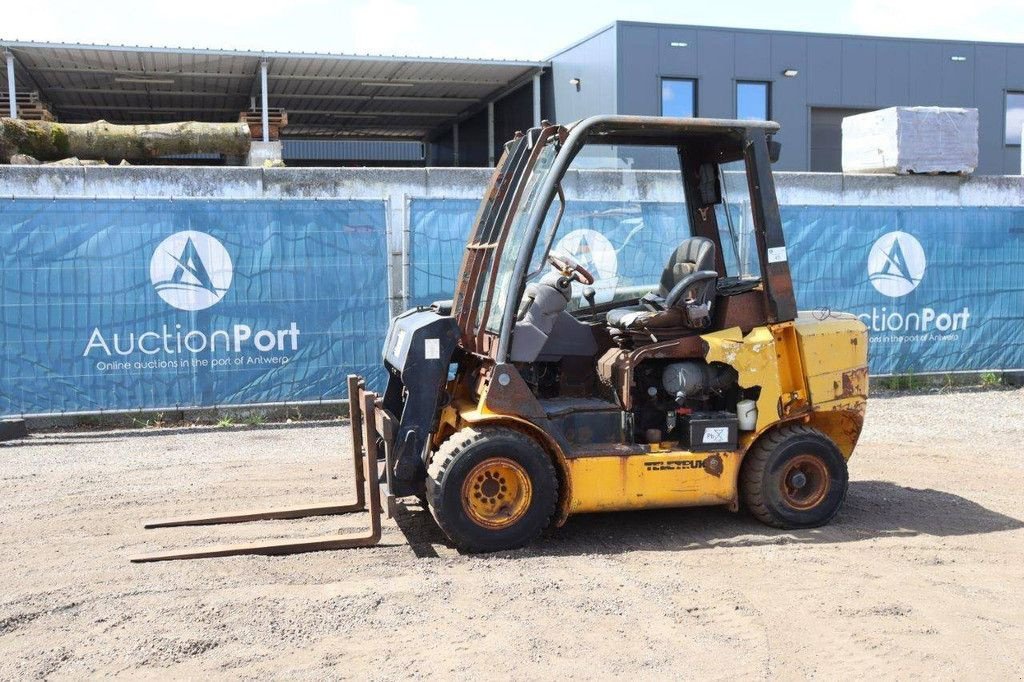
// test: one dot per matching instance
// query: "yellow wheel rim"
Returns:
(496, 493)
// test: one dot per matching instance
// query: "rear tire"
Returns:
(491, 489)
(794, 477)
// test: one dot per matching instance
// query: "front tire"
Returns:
(491, 489)
(794, 477)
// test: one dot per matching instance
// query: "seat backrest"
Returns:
(693, 254)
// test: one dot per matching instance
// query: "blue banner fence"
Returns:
(114, 304)
(120, 304)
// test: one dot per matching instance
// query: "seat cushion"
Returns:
(693, 254)
(637, 317)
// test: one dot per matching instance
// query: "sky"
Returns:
(457, 28)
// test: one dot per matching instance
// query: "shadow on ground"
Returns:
(873, 509)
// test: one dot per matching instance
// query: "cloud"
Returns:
(383, 27)
(993, 20)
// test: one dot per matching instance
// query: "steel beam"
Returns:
(264, 114)
(279, 95)
(291, 112)
(247, 76)
(12, 90)
(455, 144)
(490, 134)
(536, 101)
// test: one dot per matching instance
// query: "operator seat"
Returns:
(682, 304)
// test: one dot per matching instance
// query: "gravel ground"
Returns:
(920, 574)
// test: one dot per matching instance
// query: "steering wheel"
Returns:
(568, 266)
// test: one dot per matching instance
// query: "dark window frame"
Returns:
(687, 79)
(767, 96)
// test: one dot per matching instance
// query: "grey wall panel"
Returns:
(892, 74)
(989, 66)
(824, 71)
(925, 65)
(1012, 161)
(677, 59)
(1013, 80)
(1015, 67)
(753, 56)
(858, 72)
(593, 62)
(789, 100)
(957, 78)
(640, 68)
(716, 63)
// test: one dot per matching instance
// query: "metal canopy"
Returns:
(332, 95)
(664, 130)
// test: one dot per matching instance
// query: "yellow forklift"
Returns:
(524, 400)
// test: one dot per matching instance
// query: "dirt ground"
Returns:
(921, 574)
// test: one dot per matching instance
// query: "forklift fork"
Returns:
(364, 424)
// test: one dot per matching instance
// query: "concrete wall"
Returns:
(397, 184)
(834, 71)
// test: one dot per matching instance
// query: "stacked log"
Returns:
(102, 141)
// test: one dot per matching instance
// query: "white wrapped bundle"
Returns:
(905, 140)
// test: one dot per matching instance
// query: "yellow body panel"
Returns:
(808, 371)
(832, 351)
(670, 478)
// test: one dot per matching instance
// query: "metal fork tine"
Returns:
(268, 548)
(361, 406)
(263, 515)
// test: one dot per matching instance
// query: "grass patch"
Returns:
(991, 379)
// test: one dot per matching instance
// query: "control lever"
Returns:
(590, 295)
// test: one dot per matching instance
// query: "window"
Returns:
(753, 101)
(1014, 116)
(678, 97)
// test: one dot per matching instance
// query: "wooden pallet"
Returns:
(276, 119)
(30, 107)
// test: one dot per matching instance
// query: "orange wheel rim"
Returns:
(805, 482)
(496, 493)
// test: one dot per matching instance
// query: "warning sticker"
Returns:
(432, 349)
(716, 434)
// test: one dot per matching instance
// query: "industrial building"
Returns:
(805, 81)
(341, 109)
(367, 110)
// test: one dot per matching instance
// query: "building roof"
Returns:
(334, 95)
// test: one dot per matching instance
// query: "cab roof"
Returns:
(664, 130)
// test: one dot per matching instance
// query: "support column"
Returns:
(536, 101)
(490, 134)
(455, 144)
(265, 115)
(11, 89)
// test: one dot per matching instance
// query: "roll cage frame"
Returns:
(702, 144)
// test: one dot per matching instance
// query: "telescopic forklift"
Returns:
(524, 400)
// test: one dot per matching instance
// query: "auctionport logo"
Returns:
(190, 270)
(593, 251)
(896, 264)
